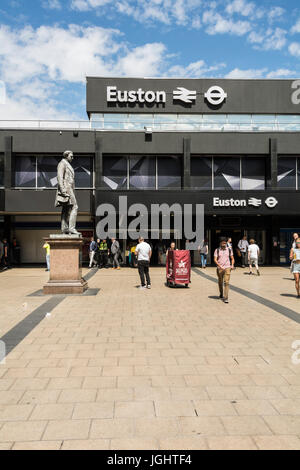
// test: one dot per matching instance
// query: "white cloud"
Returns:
(196, 22)
(52, 4)
(282, 73)
(294, 49)
(275, 12)
(181, 12)
(218, 24)
(269, 39)
(193, 70)
(296, 28)
(241, 7)
(142, 61)
(250, 73)
(261, 73)
(61, 54)
(85, 5)
(36, 64)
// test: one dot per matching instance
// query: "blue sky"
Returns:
(47, 47)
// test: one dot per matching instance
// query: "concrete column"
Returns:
(8, 144)
(98, 162)
(274, 162)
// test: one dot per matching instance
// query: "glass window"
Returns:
(1, 169)
(83, 167)
(47, 171)
(214, 121)
(115, 172)
(25, 172)
(226, 173)
(201, 172)
(139, 121)
(142, 172)
(288, 123)
(239, 122)
(189, 122)
(253, 173)
(169, 172)
(287, 173)
(115, 121)
(165, 122)
(263, 122)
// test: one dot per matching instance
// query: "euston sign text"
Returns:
(270, 202)
(214, 96)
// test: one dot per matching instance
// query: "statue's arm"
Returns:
(61, 169)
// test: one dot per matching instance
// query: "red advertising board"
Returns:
(178, 267)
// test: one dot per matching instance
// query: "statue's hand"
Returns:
(64, 193)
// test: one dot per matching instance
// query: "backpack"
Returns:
(229, 250)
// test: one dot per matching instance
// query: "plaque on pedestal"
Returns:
(65, 265)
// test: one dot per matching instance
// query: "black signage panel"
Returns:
(192, 96)
(215, 202)
(41, 201)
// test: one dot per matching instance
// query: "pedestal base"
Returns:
(65, 266)
(65, 287)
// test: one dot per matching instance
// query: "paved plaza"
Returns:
(154, 369)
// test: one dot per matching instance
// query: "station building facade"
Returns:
(232, 145)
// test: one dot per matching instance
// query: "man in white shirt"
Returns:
(253, 254)
(243, 247)
(143, 253)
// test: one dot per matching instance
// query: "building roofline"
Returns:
(195, 78)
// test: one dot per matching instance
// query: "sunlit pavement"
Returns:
(150, 369)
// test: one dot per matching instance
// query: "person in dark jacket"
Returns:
(115, 251)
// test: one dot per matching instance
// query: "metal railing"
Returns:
(176, 125)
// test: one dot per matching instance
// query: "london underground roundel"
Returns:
(215, 95)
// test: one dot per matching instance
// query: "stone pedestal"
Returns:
(65, 265)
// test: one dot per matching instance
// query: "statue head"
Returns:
(68, 155)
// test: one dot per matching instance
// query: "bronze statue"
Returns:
(65, 196)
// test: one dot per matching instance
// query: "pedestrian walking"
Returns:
(5, 255)
(132, 257)
(103, 252)
(93, 251)
(115, 251)
(295, 257)
(16, 252)
(144, 252)
(47, 248)
(1, 252)
(253, 254)
(295, 237)
(171, 248)
(224, 260)
(203, 250)
(243, 247)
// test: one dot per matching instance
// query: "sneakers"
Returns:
(149, 286)
(226, 301)
(142, 287)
